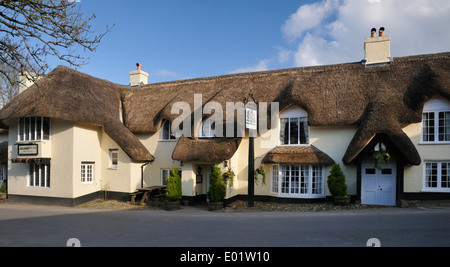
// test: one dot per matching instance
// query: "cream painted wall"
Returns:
(414, 175)
(61, 167)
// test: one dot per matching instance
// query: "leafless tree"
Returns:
(30, 31)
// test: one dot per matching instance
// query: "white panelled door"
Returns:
(378, 187)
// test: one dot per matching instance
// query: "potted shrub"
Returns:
(337, 186)
(3, 190)
(173, 193)
(217, 190)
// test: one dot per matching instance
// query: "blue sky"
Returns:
(180, 39)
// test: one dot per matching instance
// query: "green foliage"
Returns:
(3, 188)
(217, 188)
(174, 186)
(336, 181)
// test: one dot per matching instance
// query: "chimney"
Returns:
(377, 50)
(26, 80)
(138, 77)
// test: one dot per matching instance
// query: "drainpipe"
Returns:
(142, 172)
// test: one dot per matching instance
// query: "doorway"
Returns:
(378, 186)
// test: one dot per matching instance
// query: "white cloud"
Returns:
(334, 31)
(307, 17)
(261, 66)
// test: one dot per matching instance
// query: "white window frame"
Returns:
(302, 117)
(278, 179)
(39, 175)
(114, 153)
(169, 136)
(85, 166)
(434, 106)
(165, 173)
(25, 134)
(439, 166)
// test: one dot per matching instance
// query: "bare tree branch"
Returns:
(32, 30)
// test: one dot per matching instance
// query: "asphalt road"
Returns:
(36, 226)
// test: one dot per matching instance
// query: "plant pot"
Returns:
(3, 196)
(341, 200)
(186, 202)
(172, 205)
(215, 205)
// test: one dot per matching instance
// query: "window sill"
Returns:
(430, 190)
(169, 140)
(434, 143)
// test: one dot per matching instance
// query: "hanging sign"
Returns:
(250, 118)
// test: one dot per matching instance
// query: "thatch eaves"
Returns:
(71, 95)
(297, 155)
(213, 150)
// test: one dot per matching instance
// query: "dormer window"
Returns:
(208, 129)
(34, 129)
(166, 131)
(436, 121)
(294, 127)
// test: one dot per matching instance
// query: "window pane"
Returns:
(316, 180)
(33, 128)
(27, 129)
(38, 128)
(83, 173)
(428, 127)
(275, 178)
(304, 179)
(31, 182)
(21, 128)
(284, 132)
(293, 131)
(48, 174)
(284, 179)
(295, 179)
(431, 175)
(445, 175)
(304, 131)
(46, 129)
(166, 130)
(444, 126)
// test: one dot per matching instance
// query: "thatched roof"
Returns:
(297, 155)
(213, 150)
(70, 95)
(380, 100)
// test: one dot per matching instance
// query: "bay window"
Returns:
(298, 181)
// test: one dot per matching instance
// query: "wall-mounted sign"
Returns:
(27, 149)
(250, 118)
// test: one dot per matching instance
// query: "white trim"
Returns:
(111, 164)
(85, 179)
(436, 105)
(437, 189)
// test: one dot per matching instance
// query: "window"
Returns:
(3, 172)
(208, 128)
(114, 158)
(39, 175)
(305, 181)
(165, 173)
(87, 172)
(166, 131)
(294, 127)
(436, 121)
(437, 176)
(275, 172)
(34, 129)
